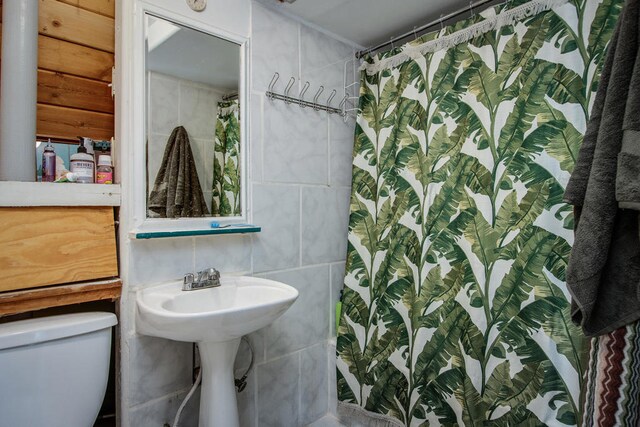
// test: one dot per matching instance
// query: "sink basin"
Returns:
(238, 307)
(215, 318)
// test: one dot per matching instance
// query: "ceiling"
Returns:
(369, 22)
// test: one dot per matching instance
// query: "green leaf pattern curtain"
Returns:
(226, 167)
(455, 309)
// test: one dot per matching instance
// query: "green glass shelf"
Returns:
(204, 232)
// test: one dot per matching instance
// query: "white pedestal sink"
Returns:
(215, 318)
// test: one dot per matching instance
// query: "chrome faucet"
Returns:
(209, 278)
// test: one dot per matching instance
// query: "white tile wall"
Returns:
(295, 144)
(278, 388)
(341, 137)
(307, 321)
(229, 254)
(300, 177)
(160, 260)
(275, 42)
(322, 59)
(324, 224)
(276, 208)
(150, 355)
(314, 383)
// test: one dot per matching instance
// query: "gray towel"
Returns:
(177, 192)
(603, 274)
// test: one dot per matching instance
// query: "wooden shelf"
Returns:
(17, 302)
(17, 194)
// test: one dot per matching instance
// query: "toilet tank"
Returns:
(54, 370)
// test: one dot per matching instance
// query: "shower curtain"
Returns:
(455, 309)
(225, 200)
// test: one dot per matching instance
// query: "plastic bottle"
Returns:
(104, 173)
(48, 163)
(83, 166)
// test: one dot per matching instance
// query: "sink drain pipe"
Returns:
(240, 384)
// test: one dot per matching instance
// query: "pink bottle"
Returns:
(48, 163)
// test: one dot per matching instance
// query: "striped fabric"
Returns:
(613, 379)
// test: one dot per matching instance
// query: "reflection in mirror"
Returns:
(193, 122)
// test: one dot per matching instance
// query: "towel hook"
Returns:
(302, 92)
(333, 93)
(315, 98)
(292, 80)
(344, 101)
(343, 104)
(274, 79)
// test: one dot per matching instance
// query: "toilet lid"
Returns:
(43, 329)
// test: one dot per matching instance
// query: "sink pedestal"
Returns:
(215, 318)
(218, 406)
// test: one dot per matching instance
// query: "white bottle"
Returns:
(83, 166)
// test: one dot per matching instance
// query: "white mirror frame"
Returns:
(137, 121)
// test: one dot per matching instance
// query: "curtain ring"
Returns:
(441, 22)
(473, 14)
(415, 35)
(392, 46)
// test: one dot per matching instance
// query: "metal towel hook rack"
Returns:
(292, 80)
(343, 102)
(271, 94)
(274, 79)
(315, 98)
(302, 92)
(333, 93)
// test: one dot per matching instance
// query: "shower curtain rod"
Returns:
(433, 23)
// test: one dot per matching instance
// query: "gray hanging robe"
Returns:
(176, 192)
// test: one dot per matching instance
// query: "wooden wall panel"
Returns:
(69, 58)
(66, 22)
(52, 245)
(103, 7)
(61, 123)
(75, 59)
(70, 91)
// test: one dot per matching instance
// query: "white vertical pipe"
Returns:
(18, 90)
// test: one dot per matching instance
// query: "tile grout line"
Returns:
(300, 229)
(329, 177)
(293, 269)
(262, 139)
(328, 377)
(299, 411)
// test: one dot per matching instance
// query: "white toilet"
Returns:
(54, 370)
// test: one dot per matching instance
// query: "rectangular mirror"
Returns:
(194, 139)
